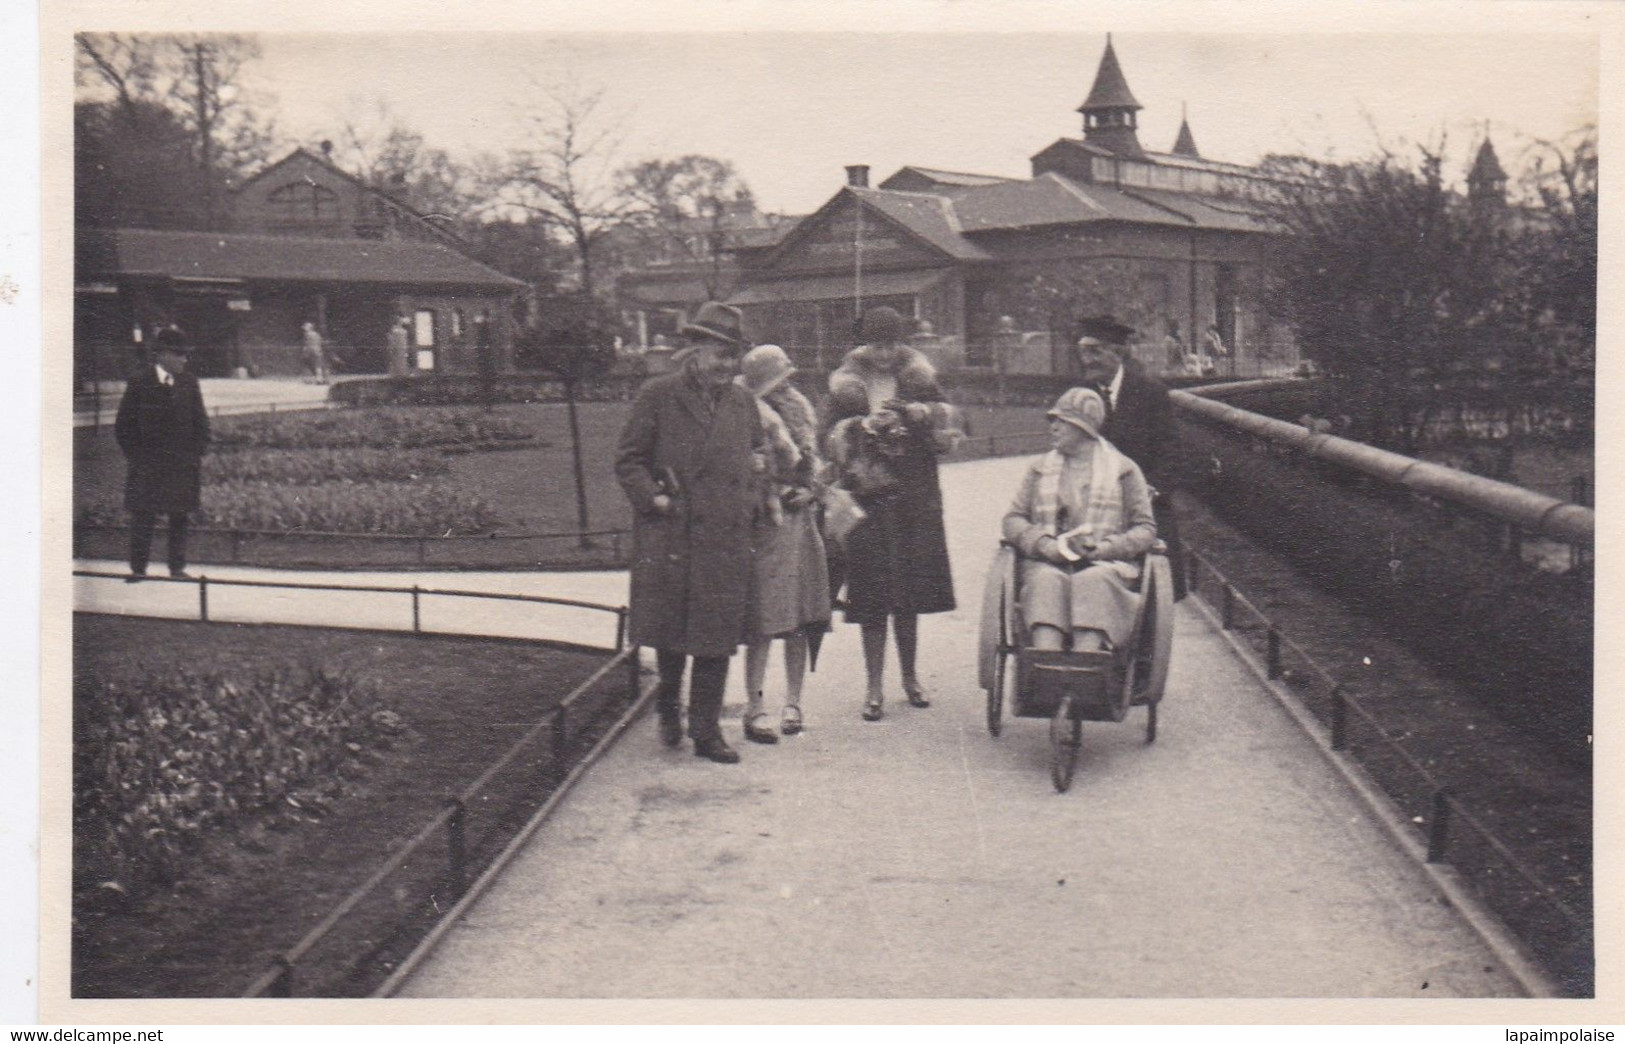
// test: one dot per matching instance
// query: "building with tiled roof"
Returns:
(305, 241)
(1103, 235)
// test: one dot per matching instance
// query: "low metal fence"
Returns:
(1449, 832)
(478, 827)
(594, 549)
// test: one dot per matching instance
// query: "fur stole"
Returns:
(849, 384)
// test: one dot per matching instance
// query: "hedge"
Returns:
(1520, 637)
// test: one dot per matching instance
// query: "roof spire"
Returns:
(1109, 112)
(1185, 144)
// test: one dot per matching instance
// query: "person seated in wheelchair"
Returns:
(1081, 522)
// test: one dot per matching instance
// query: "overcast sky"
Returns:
(790, 110)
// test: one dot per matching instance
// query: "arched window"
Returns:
(304, 203)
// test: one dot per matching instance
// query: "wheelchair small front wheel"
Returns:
(1151, 721)
(1065, 737)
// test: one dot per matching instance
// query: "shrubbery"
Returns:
(410, 509)
(163, 757)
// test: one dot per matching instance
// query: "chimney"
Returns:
(857, 175)
(327, 150)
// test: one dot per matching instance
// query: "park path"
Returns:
(222, 395)
(917, 856)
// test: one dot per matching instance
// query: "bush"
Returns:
(382, 429)
(410, 509)
(163, 757)
(310, 467)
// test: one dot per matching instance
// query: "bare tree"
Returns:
(126, 63)
(682, 209)
(566, 179)
(384, 151)
(209, 90)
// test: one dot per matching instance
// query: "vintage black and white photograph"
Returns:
(1087, 511)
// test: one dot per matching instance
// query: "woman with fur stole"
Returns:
(790, 574)
(890, 424)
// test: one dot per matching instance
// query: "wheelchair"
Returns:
(1066, 687)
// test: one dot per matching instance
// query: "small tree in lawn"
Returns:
(575, 341)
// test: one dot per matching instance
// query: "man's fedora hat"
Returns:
(717, 322)
(171, 339)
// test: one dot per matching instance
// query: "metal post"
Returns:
(203, 598)
(1340, 719)
(1229, 611)
(417, 613)
(1192, 569)
(1272, 658)
(620, 629)
(457, 844)
(236, 545)
(1439, 827)
(422, 548)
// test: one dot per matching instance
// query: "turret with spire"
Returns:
(1185, 144)
(1109, 113)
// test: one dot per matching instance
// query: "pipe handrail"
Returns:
(1532, 512)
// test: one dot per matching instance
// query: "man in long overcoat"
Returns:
(163, 430)
(1140, 422)
(689, 461)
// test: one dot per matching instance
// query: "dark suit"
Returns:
(1141, 424)
(163, 431)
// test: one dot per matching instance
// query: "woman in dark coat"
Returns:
(890, 425)
(688, 461)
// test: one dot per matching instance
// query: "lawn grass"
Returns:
(252, 892)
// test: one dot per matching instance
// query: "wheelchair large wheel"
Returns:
(996, 692)
(1065, 737)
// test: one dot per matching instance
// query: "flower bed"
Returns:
(312, 467)
(162, 757)
(392, 429)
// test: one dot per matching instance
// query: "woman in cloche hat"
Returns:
(1080, 520)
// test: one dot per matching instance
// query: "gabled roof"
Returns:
(300, 152)
(1051, 199)
(928, 216)
(1111, 89)
(231, 255)
(947, 178)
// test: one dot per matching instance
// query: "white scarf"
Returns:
(1102, 507)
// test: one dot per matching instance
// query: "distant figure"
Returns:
(1213, 342)
(315, 355)
(1173, 346)
(400, 363)
(162, 430)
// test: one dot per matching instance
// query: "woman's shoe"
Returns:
(790, 721)
(872, 709)
(759, 733)
(916, 695)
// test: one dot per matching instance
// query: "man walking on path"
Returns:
(163, 430)
(690, 460)
(1140, 422)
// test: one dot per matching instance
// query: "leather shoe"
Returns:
(180, 574)
(671, 730)
(716, 750)
(759, 733)
(916, 697)
(873, 709)
(135, 578)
